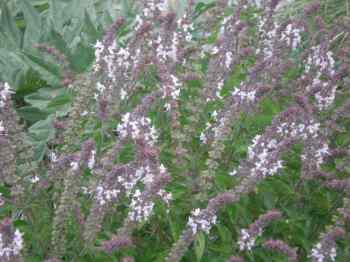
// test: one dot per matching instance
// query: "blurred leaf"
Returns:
(40, 133)
(199, 246)
(56, 14)
(42, 130)
(56, 40)
(8, 25)
(39, 100)
(31, 114)
(48, 71)
(89, 29)
(82, 58)
(60, 105)
(202, 7)
(33, 24)
(28, 82)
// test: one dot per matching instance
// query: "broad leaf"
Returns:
(33, 24)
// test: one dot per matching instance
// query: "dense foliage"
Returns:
(173, 131)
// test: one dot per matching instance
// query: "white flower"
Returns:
(13, 248)
(228, 59)
(215, 50)
(197, 221)
(162, 169)
(2, 127)
(140, 208)
(148, 179)
(123, 94)
(85, 113)
(74, 165)
(165, 196)
(4, 94)
(53, 157)
(98, 50)
(100, 88)
(91, 161)
(17, 242)
(203, 138)
(35, 179)
(246, 241)
(196, 212)
(105, 195)
(233, 173)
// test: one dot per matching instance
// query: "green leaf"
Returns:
(82, 58)
(31, 114)
(56, 39)
(225, 234)
(39, 100)
(8, 25)
(11, 65)
(202, 7)
(56, 14)
(89, 29)
(40, 149)
(33, 24)
(60, 104)
(40, 134)
(42, 130)
(48, 71)
(27, 82)
(199, 246)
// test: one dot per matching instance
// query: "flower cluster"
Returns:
(200, 220)
(5, 93)
(115, 243)
(121, 179)
(280, 246)
(14, 248)
(136, 128)
(104, 195)
(248, 236)
(292, 36)
(142, 204)
(171, 90)
(11, 243)
(325, 250)
(303, 128)
(140, 209)
(186, 27)
(235, 259)
(2, 128)
(241, 94)
(321, 64)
